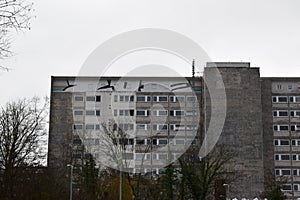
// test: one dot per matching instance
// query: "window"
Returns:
(279, 99)
(295, 99)
(282, 157)
(115, 98)
(97, 112)
(280, 113)
(90, 112)
(98, 98)
(290, 87)
(90, 98)
(141, 127)
(140, 141)
(89, 126)
(159, 127)
(127, 156)
(190, 113)
(296, 142)
(286, 172)
(139, 156)
(126, 127)
(163, 141)
(190, 99)
(126, 112)
(177, 98)
(78, 98)
(296, 172)
(286, 187)
(295, 127)
(143, 98)
(160, 113)
(280, 127)
(282, 172)
(126, 98)
(279, 86)
(281, 142)
(162, 156)
(177, 127)
(126, 141)
(142, 113)
(176, 112)
(160, 98)
(78, 126)
(78, 112)
(295, 113)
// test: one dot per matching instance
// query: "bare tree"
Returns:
(14, 15)
(22, 126)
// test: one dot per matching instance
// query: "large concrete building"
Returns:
(160, 117)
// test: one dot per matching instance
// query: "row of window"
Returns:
(96, 98)
(87, 112)
(139, 141)
(281, 127)
(287, 172)
(139, 98)
(149, 98)
(286, 99)
(285, 113)
(288, 187)
(286, 142)
(283, 157)
(129, 127)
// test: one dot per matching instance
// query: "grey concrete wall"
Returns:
(242, 133)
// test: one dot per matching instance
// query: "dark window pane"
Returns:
(98, 98)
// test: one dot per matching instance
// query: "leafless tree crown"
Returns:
(14, 15)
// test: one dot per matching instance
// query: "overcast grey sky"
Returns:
(263, 32)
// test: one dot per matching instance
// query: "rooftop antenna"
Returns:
(193, 68)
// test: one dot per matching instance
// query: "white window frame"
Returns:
(82, 111)
(280, 157)
(162, 139)
(146, 112)
(175, 113)
(296, 127)
(146, 98)
(177, 127)
(177, 99)
(294, 99)
(277, 99)
(160, 113)
(279, 142)
(158, 98)
(296, 113)
(281, 172)
(160, 127)
(278, 112)
(278, 127)
(145, 127)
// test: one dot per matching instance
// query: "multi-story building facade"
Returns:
(160, 117)
(281, 127)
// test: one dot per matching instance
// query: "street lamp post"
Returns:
(71, 180)
(227, 191)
